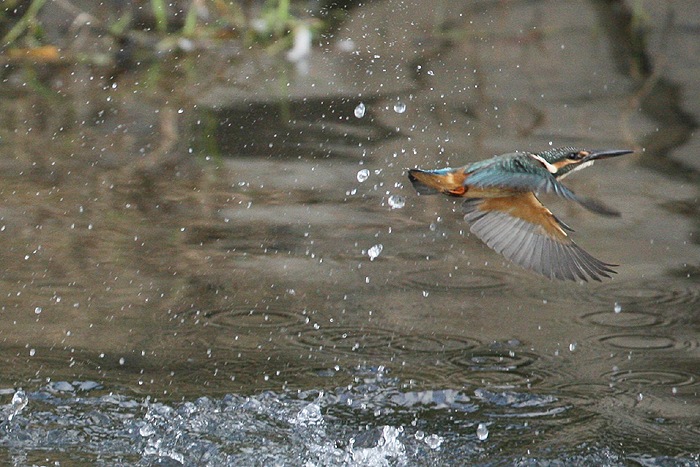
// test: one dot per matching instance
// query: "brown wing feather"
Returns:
(527, 207)
(520, 228)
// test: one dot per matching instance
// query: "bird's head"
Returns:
(563, 161)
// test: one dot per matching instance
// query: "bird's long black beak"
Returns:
(606, 153)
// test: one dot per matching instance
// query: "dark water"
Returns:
(193, 272)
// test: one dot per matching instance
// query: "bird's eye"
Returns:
(574, 156)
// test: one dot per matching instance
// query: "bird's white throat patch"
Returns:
(550, 168)
(582, 165)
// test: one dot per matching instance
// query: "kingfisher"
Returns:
(503, 210)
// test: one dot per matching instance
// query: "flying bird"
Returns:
(502, 208)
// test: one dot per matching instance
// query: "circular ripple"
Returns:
(651, 378)
(436, 280)
(345, 339)
(493, 361)
(382, 341)
(496, 379)
(265, 317)
(643, 293)
(645, 342)
(433, 344)
(583, 392)
(628, 320)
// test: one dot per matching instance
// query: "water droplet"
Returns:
(375, 251)
(419, 435)
(399, 107)
(434, 441)
(431, 73)
(147, 430)
(122, 361)
(482, 432)
(19, 402)
(572, 346)
(32, 352)
(38, 310)
(360, 110)
(397, 201)
(617, 308)
(362, 175)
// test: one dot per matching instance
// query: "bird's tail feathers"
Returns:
(429, 182)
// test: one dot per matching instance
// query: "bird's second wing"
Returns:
(520, 228)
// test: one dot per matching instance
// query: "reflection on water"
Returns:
(218, 295)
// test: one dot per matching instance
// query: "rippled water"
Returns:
(274, 292)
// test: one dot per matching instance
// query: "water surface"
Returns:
(193, 270)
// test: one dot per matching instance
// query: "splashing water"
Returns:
(434, 441)
(397, 201)
(387, 448)
(482, 432)
(19, 402)
(362, 175)
(375, 251)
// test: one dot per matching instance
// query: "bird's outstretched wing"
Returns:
(520, 228)
(509, 173)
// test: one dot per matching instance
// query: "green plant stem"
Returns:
(282, 15)
(23, 23)
(190, 20)
(160, 12)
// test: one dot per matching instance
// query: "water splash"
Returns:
(379, 451)
(19, 402)
(375, 251)
(308, 415)
(363, 175)
(434, 441)
(397, 201)
(482, 432)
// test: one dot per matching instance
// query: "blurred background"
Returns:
(212, 256)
